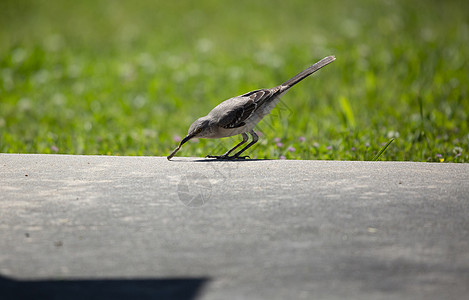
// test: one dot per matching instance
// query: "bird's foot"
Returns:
(226, 157)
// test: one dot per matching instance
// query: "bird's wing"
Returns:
(260, 96)
(242, 107)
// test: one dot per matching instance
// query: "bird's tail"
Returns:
(305, 73)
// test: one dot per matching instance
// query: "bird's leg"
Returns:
(227, 154)
(255, 138)
(245, 139)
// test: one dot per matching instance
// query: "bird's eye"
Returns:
(199, 130)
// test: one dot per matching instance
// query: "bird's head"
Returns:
(198, 129)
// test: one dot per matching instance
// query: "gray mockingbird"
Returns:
(239, 115)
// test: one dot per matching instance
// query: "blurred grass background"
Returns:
(129, 77)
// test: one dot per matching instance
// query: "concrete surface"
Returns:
(101, 227)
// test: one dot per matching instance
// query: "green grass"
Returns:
(129, 77)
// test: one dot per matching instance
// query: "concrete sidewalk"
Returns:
(106, 227)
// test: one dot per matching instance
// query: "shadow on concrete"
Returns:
(209, 160)
(119, 289)
(214, 160)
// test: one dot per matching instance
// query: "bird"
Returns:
(239, 115)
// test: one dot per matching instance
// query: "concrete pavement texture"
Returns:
(106, 227)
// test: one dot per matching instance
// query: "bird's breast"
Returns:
(222, 132)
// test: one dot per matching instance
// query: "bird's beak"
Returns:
(184, 140)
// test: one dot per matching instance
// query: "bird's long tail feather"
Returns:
(305, 73)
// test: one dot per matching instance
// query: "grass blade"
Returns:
(382, 150)
(347, 112)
